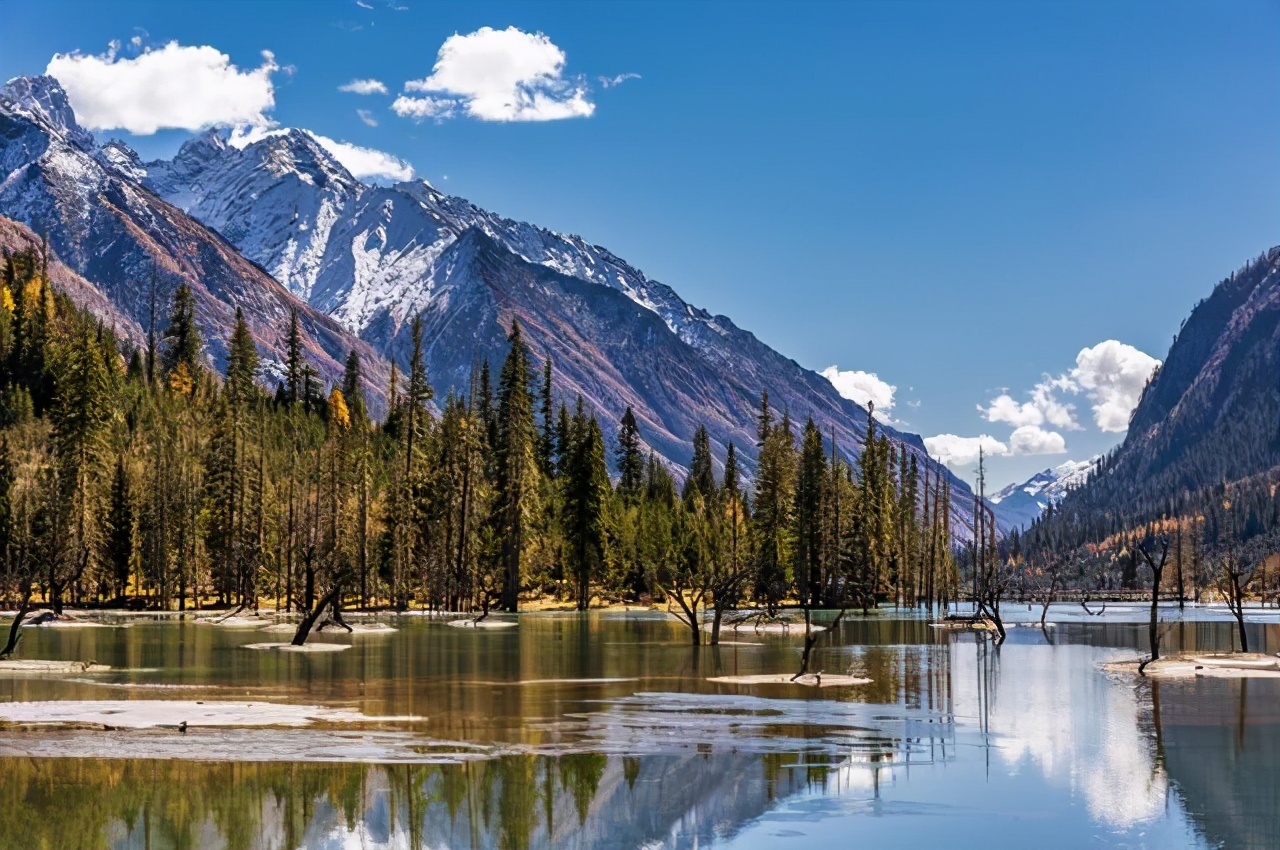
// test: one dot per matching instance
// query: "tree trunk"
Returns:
(304, 628)
(15, 630)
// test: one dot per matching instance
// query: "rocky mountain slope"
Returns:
(1209, 417)
(271, 222)
(374, 256)
(119, 236)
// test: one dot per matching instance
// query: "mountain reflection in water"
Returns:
(955, 742)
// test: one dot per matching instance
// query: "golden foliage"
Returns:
(339, 415)
(180, 381)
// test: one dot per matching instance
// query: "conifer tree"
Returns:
(586, 495)
(182, 341)
(294, 363)
(629, 456)
(119, 528)
(701, 477)
(517, 463)
(809, 495)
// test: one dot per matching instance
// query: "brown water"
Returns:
(602, 731)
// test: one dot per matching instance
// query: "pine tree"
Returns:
(586, 495)
(353, 388)
(119, 528)
(774, 504)
(517, 463)
(809, 504)
(629, 457)
(242, 364)
(182, 343)
(294, 363)
(547, 437)
(701, 477)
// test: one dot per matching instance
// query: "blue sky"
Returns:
(956, 197)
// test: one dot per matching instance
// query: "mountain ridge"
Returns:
(277, 222)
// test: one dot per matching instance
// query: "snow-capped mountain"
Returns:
(120, 237)
(375, 256)
(1019, 504)
(264, 223)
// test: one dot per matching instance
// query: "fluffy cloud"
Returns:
(1043, 407)
(962, 451)
(497, 75)
(364, 87)
(366, 163)
(1034, 440)
(1113, 375)
(174, 86)
(864, 388)
(419, 108)
(367, 117)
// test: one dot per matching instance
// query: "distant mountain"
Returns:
(1018, 505)
(118, 236)
(1209, 418)
(275, 221)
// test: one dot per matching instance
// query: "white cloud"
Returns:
(617, 80)
(864, 388)
(174, 86)
(364, 87)
(367, 117)
(364, 5)
(499, 75)
(365, 163)
(963, 451)
(419, 108)
(1113, 375)
(1034, 440)
(1043, 407)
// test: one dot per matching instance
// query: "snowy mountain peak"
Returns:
(1020, 504)
(118, 155)
(43, 100)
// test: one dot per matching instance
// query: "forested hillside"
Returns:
(1198, 473)
(130, 473)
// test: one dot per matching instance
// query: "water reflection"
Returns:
(604, 733)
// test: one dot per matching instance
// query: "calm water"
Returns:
(603, 732)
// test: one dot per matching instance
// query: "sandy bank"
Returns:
(320, 648)
(1220, 665)
(50, 668)
(151, 714)
(483, 624)
(809, 680)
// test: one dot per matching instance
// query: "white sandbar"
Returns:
(153, 713)
(50, 668)
(809, 680)
(306, 647)
(1218, 665)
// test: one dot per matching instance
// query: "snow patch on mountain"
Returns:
(1020, 504)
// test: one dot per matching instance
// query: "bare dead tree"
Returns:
(1154, 549)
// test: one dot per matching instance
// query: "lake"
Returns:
(603, 731)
